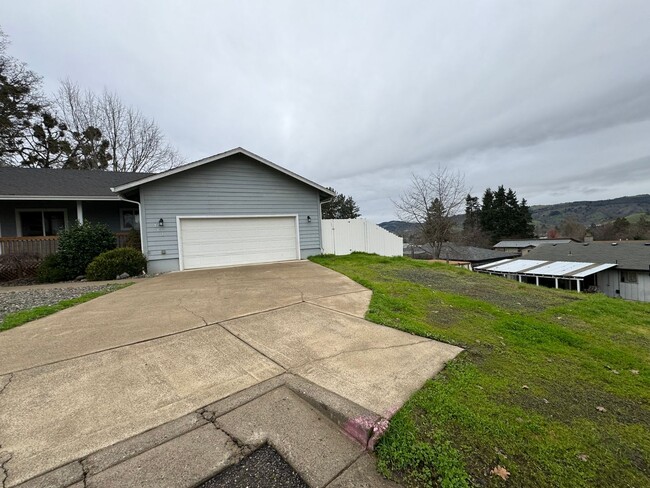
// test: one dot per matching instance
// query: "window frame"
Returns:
(19, 224)
(626, 275)
(136, 211)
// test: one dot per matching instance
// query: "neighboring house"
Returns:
(229, 209)
(524, 246)
(36, 203)
(474, 256)
(618, 269)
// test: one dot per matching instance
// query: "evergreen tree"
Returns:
(472, 214)
(340, 207)
(502, 215)
(20, 103)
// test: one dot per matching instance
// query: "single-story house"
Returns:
(457, 253)
(228, 209)
(524, 246)
(618, 269)
(36, 203)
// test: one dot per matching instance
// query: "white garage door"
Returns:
(208, 242)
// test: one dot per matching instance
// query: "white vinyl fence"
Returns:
(345, 236)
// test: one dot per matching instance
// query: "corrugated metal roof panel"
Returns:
(596, 269)
(560, 268)
(516, 266)
(490, 265)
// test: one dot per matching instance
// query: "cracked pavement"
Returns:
(104, 371)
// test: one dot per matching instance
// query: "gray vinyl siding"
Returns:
(236, 185)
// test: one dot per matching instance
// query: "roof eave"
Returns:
(59, 197)
(217, 157)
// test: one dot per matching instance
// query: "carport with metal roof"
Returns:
(551, 273)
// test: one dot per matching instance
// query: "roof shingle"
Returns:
(42, 183)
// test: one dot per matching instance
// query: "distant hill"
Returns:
(399, 227)
(548, 216)
(591, 212)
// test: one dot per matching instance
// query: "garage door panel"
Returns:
(212, 242)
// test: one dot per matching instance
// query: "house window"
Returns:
(129, 219)
(41, 222)
(628, 277)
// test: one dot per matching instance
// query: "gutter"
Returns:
(139, 214)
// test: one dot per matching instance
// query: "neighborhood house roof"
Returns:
(456, 252)
(61, 184)
(558, 269)
(631, 255)
(217, 157)
(522, 243)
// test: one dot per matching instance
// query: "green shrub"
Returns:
(133, 239)
(110, 264)
(80, 244)
(51, 269)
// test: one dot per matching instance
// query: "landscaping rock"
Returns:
(122, 276)
(14, 301)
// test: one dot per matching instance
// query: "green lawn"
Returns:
(553, 386)
(23, 316)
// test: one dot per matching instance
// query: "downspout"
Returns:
(139, 214)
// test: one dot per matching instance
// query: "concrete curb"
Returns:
(363, 426)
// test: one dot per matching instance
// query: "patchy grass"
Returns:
(525, 392)
(23, 316)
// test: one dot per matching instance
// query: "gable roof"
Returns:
(634, 255)
(217, 157)
(61, 184)
(521, 243)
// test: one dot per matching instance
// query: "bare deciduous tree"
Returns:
(430, 202)
(136, 143)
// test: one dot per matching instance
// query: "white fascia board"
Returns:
(217, 157)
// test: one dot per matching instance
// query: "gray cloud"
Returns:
(547, 97)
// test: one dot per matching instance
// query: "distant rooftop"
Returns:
(522, 243)
(456, 252)
(633, 255)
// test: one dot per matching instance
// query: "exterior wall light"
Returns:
(308, 218)
(161, 222)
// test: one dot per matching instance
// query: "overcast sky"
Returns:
(551, 98)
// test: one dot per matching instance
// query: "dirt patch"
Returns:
(566, 403)
(503, 293)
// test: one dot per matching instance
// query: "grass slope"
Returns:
(23, 316)
(525, 393)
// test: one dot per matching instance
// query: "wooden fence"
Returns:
(42, 245)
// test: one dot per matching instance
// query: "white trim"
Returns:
(217, 157)
(19, 225)
(298, 237)
(180, 242)
(57, 197)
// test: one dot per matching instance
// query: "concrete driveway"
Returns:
(104, 371)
